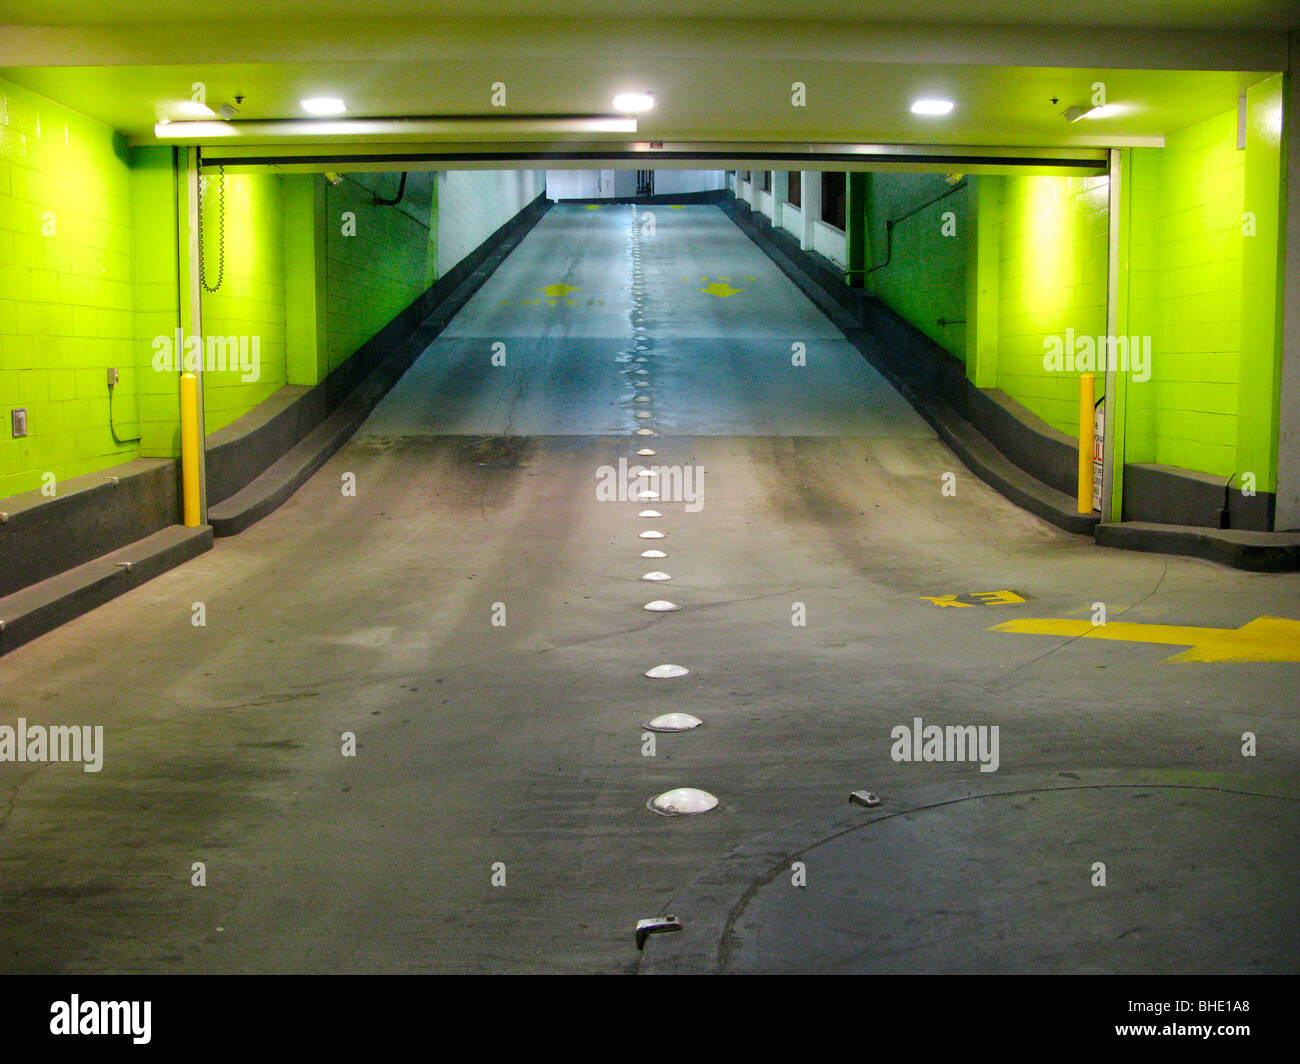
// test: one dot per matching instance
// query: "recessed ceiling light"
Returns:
(931, 107)
(323, 105)
(632, 102)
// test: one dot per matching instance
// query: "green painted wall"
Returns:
(926, 276)
(1208, 294)
(249, 304)
(156, 288)
(1051, 278)
(93, 258)
(383, 267)
(1029, 261)
(67, 305)
(1185, 293)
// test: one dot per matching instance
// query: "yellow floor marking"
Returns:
(719, 289)
(592, 206)
(1263, 639)
(677, 207)
(556, 290)
(946, 600)
(982, 598)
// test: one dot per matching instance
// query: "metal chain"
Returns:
(221, 235)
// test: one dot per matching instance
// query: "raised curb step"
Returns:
(37, 609)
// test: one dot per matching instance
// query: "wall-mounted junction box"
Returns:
(18, 419)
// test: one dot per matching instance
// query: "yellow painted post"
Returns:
(190, 444)
(1087, 388)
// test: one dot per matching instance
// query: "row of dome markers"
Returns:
(681, 801)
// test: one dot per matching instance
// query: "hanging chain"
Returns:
(221, 233)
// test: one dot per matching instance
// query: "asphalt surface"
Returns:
(516, 751)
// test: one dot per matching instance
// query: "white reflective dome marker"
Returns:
(683, 801)
(656, 575)
(646, 452)
(661, 606)
(653, 554)
(667, 672)
(643, 414)
(645, 432)
(650, 533)
(674, 722)
(649, 513)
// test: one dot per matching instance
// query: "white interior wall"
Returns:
(599, 184)
(473, 204)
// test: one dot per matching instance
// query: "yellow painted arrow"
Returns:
(557, 290)
(1263, 639)
(717, 288)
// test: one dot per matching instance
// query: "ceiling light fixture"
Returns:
(323, 105)
(274, 129)
(1105, 110)
(931, 107)
(633, 102)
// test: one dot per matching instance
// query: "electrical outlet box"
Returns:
(112, 378)
(18, 417)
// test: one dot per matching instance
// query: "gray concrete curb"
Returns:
(37, 609)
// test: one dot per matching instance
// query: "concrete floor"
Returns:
(523, 744)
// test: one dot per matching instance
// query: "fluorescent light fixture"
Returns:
(632, 102)
(323, 105)
(1105, 110)
(194, 130)
(931, 107)
(411, 127)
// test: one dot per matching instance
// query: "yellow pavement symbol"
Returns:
(559, 289)
(1263, 639)
(717, 288)
(677, 206)
(592, 206)
(976, 598)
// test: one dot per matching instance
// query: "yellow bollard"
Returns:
(190, 444)
(1087, 388)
